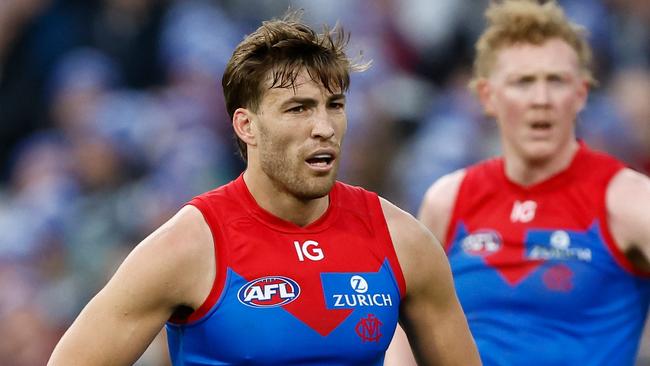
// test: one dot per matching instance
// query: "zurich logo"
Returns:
(359, 284)
(268, 292)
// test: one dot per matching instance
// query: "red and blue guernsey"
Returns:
(324, 294)
(537, 271)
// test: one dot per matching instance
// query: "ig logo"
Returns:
(523, 211)
(308, 249)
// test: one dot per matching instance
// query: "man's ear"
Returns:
(242, 123)
(583, 93)
(484, 93)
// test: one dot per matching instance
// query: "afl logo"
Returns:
(482, 242)
(269, 292)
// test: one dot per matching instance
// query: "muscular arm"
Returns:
(166, 270)
(430, 313)
(628, 209)
(435, 213)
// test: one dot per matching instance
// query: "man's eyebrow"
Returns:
(306, 101)
(336, 97)
(299, 100)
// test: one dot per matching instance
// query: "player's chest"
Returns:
(520, 235)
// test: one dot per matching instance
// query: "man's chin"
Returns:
(539, 157)
(318, 187)
(539, 151)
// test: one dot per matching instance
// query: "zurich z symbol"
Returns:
(269, 292)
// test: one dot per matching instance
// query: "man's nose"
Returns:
(541, 93)
(323, 125)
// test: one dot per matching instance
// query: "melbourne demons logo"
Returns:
(369, 329)
(269, 292)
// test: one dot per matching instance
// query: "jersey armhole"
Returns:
(380, 224)
(617, 254)
(219, 253)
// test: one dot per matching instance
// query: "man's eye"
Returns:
(525, 81)
(337, 105)
(296, 109)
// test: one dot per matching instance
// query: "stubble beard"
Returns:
(288, 175)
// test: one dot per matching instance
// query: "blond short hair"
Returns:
(525, 21)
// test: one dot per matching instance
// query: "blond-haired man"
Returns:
(549, 244)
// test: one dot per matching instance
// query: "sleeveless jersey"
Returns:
(324, 294)
(537, 271)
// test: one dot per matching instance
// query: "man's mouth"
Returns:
(541, 125)
(320, 160)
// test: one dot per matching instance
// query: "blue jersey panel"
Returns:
(560, 312)
(236, 332)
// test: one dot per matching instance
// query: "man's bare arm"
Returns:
(435, 213)
(166, 270)
(628, 208)
(430, 313)
(438, 203)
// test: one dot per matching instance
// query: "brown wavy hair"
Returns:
(278, 51)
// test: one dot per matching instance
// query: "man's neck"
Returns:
(283, 204)
(526, 172)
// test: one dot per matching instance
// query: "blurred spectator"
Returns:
(32, 334)
(630, 90)
(129, 32)
(32, 214)
(34, 204)
(75, 88)
(453, 134)
(19, 76)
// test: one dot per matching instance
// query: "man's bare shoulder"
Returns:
(181, 251)
(402, 225)
(417, 249)
(186, 232)
(442, 193)
(629, 182)
(438, 203)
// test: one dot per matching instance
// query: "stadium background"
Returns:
(111, 116)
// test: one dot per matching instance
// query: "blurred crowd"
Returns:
(112, 116)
